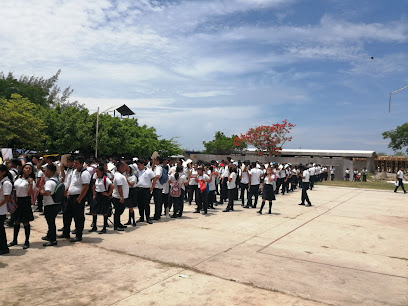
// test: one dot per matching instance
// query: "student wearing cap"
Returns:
(144, 188)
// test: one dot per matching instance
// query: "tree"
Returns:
(267, 139)
(222, 145)
(68, 129)
(38, 90)
(20, 128)
(398, 137)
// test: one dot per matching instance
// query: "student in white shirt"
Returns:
(51, 208)
(101, 191)
(131, 203)
(244, 181)
(6, 187)
(120, 195)
(305, 176)
(399, 178)
(268, 193)
(178, 181)
(144, 187)
(192, 184)
(212, 186)
(158, 188)
(75, 205)
(231, 185)
(202, 198)
(23, 214)
(255, 175)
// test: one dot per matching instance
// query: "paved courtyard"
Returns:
(350, 247)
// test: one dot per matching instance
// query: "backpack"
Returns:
(59, 193)
(175, 190)
(164, 177)
(12, 202)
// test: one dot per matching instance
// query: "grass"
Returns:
(370, 184)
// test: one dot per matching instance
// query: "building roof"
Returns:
(123, 110)
(328, 153)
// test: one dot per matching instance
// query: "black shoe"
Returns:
(88, 214)
(50, 243)
(140, 220)
(61, 229)
(259, 212)
(149, 221)
(64, 236)
(6, 251)
(204, 213)
(26, 245)
(134, 223)
(173, 216)
(310, 204)
(122, 226)
(156, 218)
(119, 229)
(226, 210)
(301, 204)
(128, 223)
(102, 231)
(74, 232)
(196, 211)
(41, 214)
(38, 210)
(94, 229)
(269, 212)
(45, 238)
(13, 243)
(76, 239)
(246, 206)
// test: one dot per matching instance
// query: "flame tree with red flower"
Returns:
(268, 140)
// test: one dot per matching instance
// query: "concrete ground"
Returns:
(350, 247)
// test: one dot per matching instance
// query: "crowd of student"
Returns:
(110, 186)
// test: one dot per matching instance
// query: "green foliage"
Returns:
(40, 91)
(398, 137)
(20, 128)
(222, 145)
(52, 123)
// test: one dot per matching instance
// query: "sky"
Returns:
(191, 68)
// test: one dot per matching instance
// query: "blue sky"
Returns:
(191, 68)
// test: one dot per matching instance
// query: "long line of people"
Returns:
(110, 186)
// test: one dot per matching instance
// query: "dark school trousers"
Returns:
(312, 181)
(305, 197)
(119, 209)
(400, 183)
(192, 190)
(224, 189)
(75, 210)
(3, 238)
(143, 198)
(253, 191)
(178, 204)
(202, 201)
(243, 188)
(50, 213)
(158, 201)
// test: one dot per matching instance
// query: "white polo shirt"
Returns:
(158, 171)
(21, 186)
(120, 180)
(306, 176)
(400, 174)
(50, 186)
(231, 184)
(144, 178)
(255, 176)
(5, 189)
(244, 176)
(78, 179)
